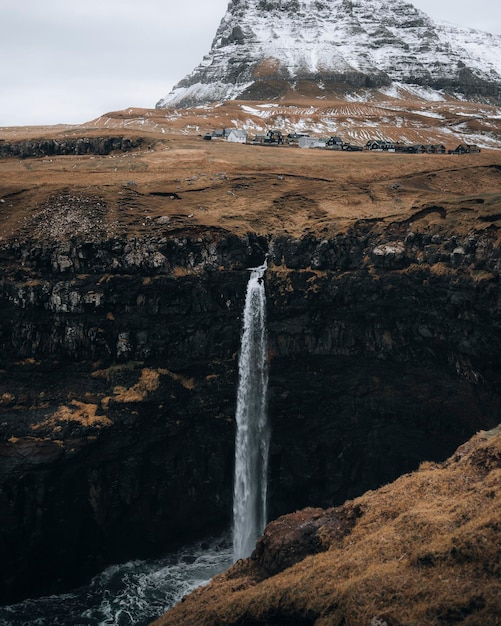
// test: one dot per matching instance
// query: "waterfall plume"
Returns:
(252, 435)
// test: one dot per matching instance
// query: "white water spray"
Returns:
(252, 436)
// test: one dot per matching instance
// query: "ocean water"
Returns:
(131, 594)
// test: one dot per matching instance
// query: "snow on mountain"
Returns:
(266, 49)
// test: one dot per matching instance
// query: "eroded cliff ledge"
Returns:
(120, 327)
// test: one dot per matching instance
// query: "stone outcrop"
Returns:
(64, 146)
(119, 372)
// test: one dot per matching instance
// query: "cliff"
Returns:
(422, 550)
(122, 286)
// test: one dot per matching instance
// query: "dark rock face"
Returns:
(119, 373)
(67, 146)
(289, 539)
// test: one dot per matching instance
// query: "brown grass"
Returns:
(148, 382)
(424, 551)
(241, 188)
(84, 414)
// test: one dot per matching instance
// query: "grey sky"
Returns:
(68, 61)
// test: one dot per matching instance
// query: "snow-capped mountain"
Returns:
(267, 49)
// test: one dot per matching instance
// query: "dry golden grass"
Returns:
(80, 412)
(148, 382)
(423, 551)
(178, 181)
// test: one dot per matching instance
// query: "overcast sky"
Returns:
(68, 61)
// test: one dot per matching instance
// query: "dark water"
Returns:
(132, 594)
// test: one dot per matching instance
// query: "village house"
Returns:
(334, 143)
(311, 142)
(439, 148)
(274, 136)
(293, 138)
(465, 148)
(258, 139)
(417, 148)
(436, 148)
(220, 133)
(237, 136)
(380, 145)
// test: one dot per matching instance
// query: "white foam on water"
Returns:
(131, 594)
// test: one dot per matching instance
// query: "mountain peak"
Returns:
(268, 49)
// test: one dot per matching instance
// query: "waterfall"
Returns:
(252, 435)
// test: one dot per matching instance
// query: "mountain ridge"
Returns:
(266, 49)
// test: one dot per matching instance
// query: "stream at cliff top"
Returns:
(131, 594)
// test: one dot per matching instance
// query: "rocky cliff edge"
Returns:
(422, 550)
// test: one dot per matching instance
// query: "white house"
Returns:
(311, 142)
(237, 136)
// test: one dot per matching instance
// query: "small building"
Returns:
(311, 142)
(236, 135)
(274, 136)
(465, 148)
(334, 143)
(435, 148)
(297, 135)
(218, 134)
(380, 145)
(461, 149)
(439, 148)
(417, 148)
(259, 139)
(293, 138)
